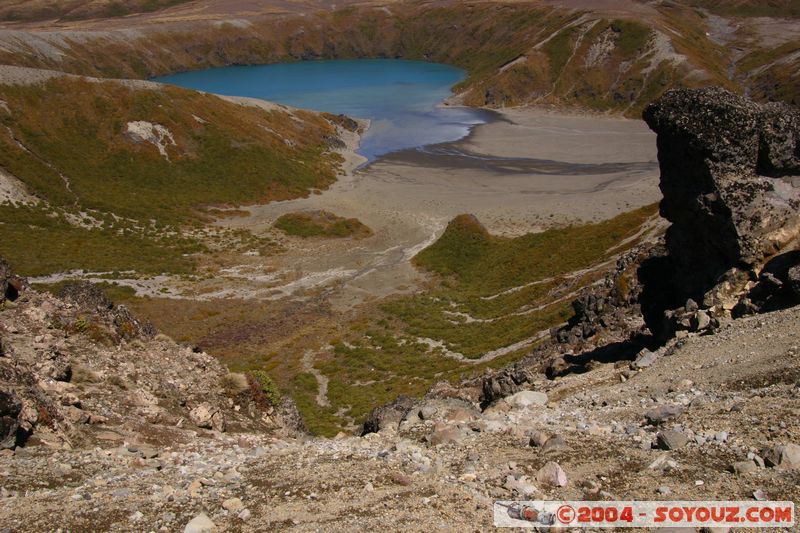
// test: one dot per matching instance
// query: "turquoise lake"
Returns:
(401, 98)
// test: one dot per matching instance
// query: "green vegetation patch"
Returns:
(265, 386)
(321, 224)
(632, 36)
(492, 293)
(38, 241)
(484, 264)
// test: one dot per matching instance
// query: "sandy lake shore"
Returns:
(530, 170)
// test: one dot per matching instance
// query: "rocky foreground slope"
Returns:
(709, 417)
(127, 431)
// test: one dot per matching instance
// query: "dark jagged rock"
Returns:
(388, 415)
(611, 307)
(290, 417)
(86, 295)
(10, 409)
(91, 298)
(505, 382)
(793, 277)
(10, 285)
(729, 175)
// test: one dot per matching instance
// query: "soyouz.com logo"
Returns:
(740, 514)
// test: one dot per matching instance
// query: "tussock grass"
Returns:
(321, 224)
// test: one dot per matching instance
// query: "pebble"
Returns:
(645, 359)
(538, 439)
(555, 444)
(743, 467)
(233, 505)
(663, 413)
(784, 457)
(527, 398)
(671, 440)
(552, 474)
(200, 524)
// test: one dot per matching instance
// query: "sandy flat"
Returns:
(528, 171)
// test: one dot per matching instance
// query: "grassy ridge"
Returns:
(127, 205)
(223, 153)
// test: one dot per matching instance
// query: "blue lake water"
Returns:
(401, 98)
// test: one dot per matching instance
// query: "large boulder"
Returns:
(730, 176)
(10, 431)
(86, 295)
(10, 284)
(389, 415)
(207, 416)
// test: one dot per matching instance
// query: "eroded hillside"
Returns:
(515, 53)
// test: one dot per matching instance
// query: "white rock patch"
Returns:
(155, 134)
(663, 50)
(14, 191)
(4, 106)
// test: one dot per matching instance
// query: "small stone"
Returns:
(645, 359)
(427, 412)
(552, 474)
(663, 413)
(743, 467)
(682, 385)
(400, 479)
(195, 487)
(700, 321)
(759, 495)
(121, 493)
(722, 436)
(538, 439)
(784, 457)
(234, 505)
(207, 416)
(555, 444)
(446, 435)
(245, 515)
(200, 524)
(527, 398)
(664, 490)
(671, 440)
(369, 487)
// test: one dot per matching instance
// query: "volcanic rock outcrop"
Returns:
(730, 175)
(78, 370)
